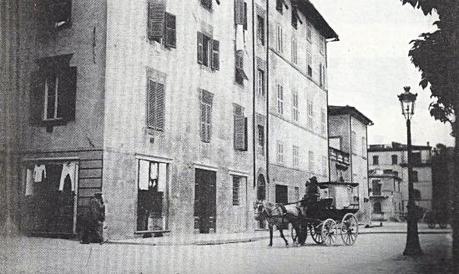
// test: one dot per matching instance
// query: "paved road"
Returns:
(373, 253)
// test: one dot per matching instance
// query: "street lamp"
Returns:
(407, 100)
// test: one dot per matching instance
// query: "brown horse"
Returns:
(278, 215)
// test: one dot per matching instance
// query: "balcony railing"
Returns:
(339, 156)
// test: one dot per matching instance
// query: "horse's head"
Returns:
(258, 209)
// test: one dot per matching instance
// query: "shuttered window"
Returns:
(323, 121)
(206, 116)
(170, 39)
(310, 114)
(309, 61)
(239, 12)
(294, 51)
(280, 99)
(156, 105)
(53, 95)
(295, 111)
(261, 139)
(240, 74)
(280, 152)
(162, 26)
(240, 128)
(236, 189)
(309, 32)
(280, 5)
(208, 51)
(279, 39)
(296, 156)
(311, 162)
(261, 30)
(261, 82)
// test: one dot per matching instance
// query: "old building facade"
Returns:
(348, 139)
(182, 115)
(394, 158)
(385, 195)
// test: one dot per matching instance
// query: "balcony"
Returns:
(339, 156)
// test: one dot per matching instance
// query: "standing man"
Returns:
(311, 196)
(94, 220)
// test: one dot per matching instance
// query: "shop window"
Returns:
(151, 196)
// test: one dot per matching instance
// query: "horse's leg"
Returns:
(270, 234)
(282, 235)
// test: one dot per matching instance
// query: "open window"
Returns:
(162, 26)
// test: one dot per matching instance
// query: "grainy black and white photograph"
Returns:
(229, 136)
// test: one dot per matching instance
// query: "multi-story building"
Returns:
(348, 135)
(394, 158)
(385, 195)
(181, 114)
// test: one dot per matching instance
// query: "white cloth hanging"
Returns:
(68, 169)
(39, 173)
(29, 183)
(144, 179)
(239, 37)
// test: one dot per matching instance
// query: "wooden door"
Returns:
(205, 201)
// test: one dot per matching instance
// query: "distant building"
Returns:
(385, 195)
(348, 154)
(394, 158)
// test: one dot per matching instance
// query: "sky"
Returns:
(370, 65)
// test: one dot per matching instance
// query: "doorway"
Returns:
(281, 194)
(205, 207)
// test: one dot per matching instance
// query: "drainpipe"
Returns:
(267, 100)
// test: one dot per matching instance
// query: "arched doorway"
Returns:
(261, 188)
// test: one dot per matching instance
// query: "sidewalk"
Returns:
(218, 239)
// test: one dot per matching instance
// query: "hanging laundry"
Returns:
(29, 183)
(68, 169)
(239, 37)
(143, 175)
(39, 173)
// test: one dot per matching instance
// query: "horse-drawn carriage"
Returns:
(325, 222)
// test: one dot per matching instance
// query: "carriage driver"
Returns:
(311, 196)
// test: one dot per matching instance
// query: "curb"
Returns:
(235, 241)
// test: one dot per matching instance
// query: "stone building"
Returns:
(393, 158)
(348, 135)
(385, 195)
(181, 114)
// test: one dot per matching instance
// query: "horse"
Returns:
(277, 215)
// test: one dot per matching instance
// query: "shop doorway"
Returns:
(261, 196)
(205, 208)
(50, 196)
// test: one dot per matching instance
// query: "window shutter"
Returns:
(156, 12)
(200, 48)
(151, 104)
(37, 93)
(239, 12)
(215, 55)
(67, 78)
(170, 33)
(239, 132)
(245, 16)
(159, 106)
(203, 122)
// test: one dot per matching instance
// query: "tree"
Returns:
(436, 55)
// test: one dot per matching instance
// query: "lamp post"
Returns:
(407, 100)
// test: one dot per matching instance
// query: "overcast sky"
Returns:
(369, 66)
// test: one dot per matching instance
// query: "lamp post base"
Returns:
(413, 251)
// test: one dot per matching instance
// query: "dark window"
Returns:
(375, 160)
(156, 105)
(377, 208)
(417, 194)
(279, 5)
(240, 74)
(394, 159)
(416, 157)
(281, 194)
(240, 13)
(236, 188)
(206, 116)
(261, 30)
(53, 92)
(261, 140)
(208, 51)
(376, 187)
(261, 82)
(170, 37)
(207, 4)
(55, 14)
(245, 16)
(240, 129)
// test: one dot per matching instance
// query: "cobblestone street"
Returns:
(372, 253)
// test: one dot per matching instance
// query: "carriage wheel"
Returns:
(349, 229)
(329, 231)
(316, 233)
